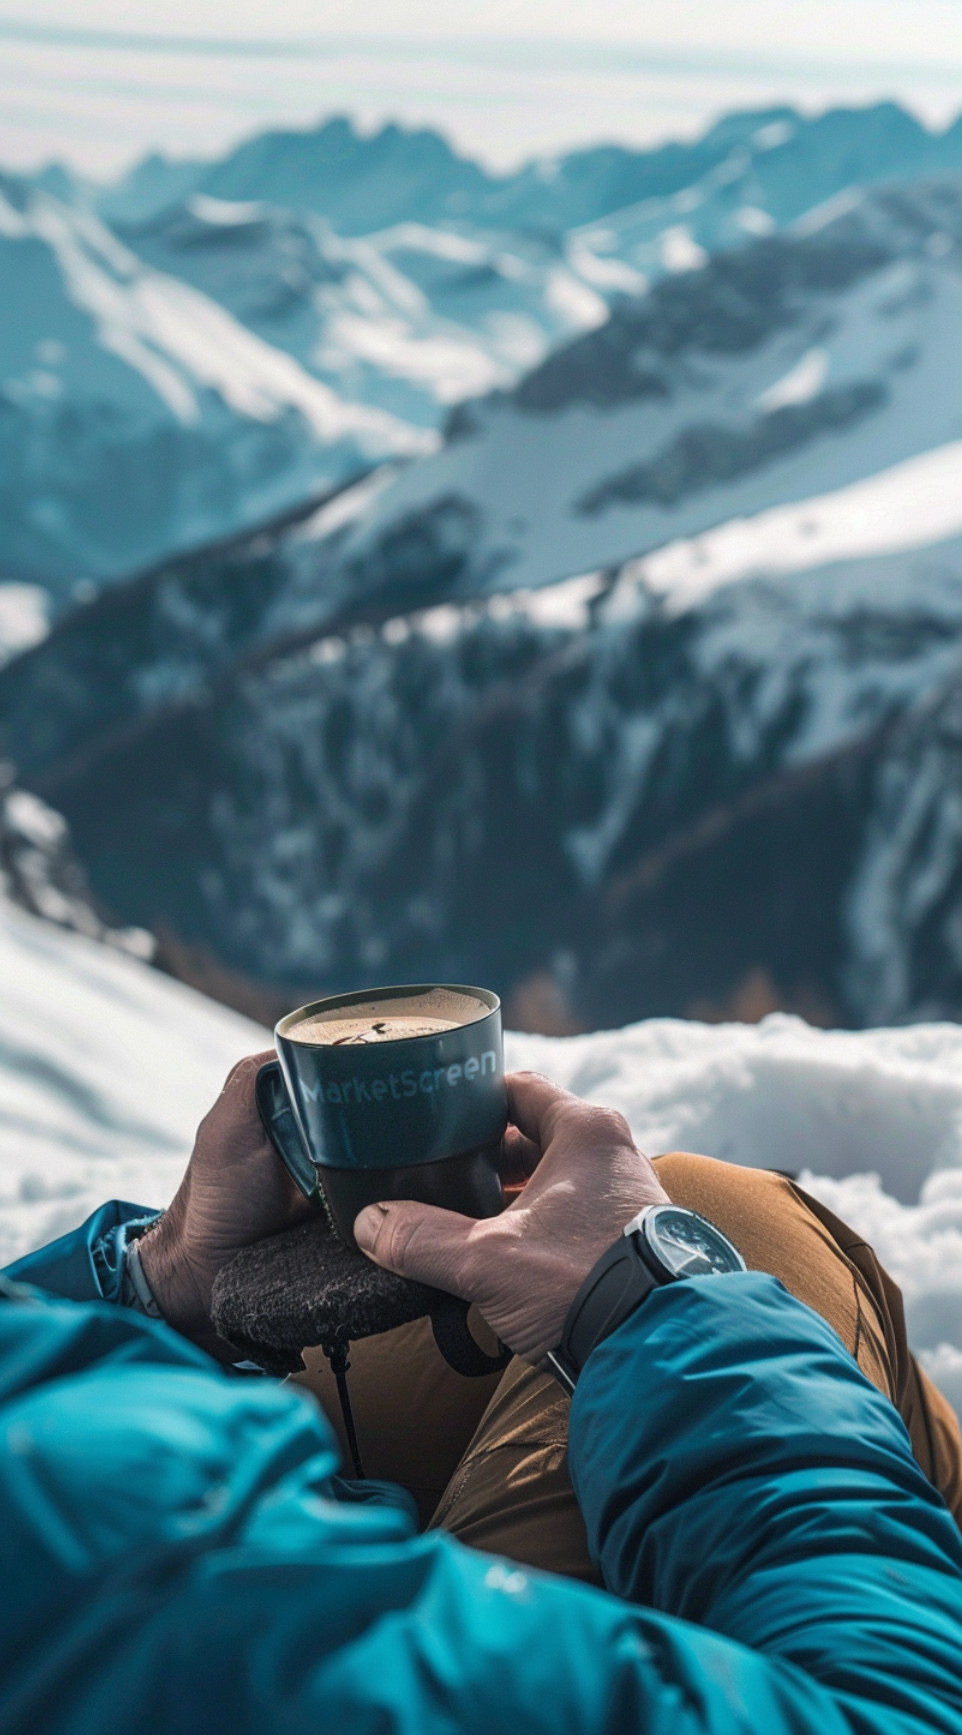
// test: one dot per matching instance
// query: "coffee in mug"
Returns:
(394, 1093)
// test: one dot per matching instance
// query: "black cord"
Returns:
(337, 1356)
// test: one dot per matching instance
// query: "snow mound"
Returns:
(106, 1067)
(871, 1121)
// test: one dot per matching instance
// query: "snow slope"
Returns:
(137, 415)
(777, 376)
(107, 1066)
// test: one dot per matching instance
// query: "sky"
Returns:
(97, 83)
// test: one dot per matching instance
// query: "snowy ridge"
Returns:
(179, 341)
(361, 817)
(797, 665)
(751, 173)
(106, 1067)
(411, 318)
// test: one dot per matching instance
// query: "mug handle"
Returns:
(452, 1334)
(277, 1118)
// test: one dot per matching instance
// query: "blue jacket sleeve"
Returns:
(87, 1263)
(178, 1549)
(755, 1483)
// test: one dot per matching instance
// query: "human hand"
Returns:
(523, 1269)
(235, 1191)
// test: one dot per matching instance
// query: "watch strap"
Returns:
(613, 1288)
(136, 1291)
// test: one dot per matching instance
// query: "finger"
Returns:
(248, 1067)
(533, 1103)
(237, 1105)
(520, 1157)
(422, 1242)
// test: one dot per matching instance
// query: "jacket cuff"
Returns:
(88, 1263)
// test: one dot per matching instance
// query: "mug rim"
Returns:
(283, 1029)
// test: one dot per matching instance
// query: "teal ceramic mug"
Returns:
(395, 1093)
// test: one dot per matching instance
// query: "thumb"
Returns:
(422, 1242)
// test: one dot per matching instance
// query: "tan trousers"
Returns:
(486, 1458)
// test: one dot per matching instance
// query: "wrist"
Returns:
(663, 1244)
(180, 1283)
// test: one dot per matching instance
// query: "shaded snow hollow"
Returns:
(107, 1066)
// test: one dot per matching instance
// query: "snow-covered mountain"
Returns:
(748, 173)
(408, 277)
(411, 319)
(205, 344)
(549, 707)
(523, 788)
(596, 702)
(782, 372)
(808, 384)
(137, 415)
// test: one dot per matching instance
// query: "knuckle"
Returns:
(608, 1124)
(620, 1125)
(407, 1238)
(244, 1077)
(393, 1236)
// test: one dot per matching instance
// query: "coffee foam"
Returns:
(389, 1020)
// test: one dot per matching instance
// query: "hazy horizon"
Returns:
(102, 83)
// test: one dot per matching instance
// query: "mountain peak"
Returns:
(359, 181)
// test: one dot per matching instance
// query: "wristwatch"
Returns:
(663, 1244)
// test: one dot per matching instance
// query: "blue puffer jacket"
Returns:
(178, 1554)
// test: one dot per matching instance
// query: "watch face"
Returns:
(687, 1245)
